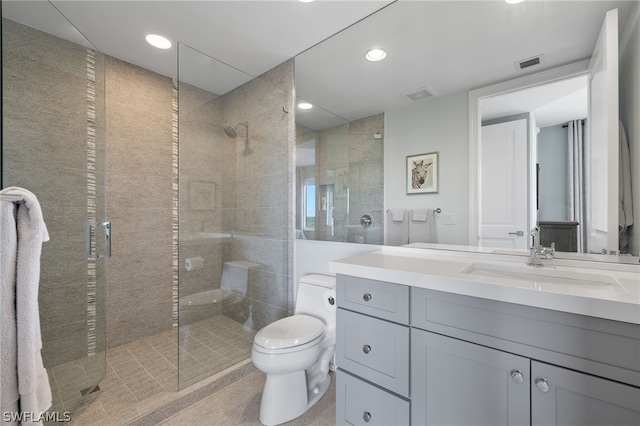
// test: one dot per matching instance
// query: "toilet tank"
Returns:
(315, 296)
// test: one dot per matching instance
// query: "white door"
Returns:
(602, 153)
(504, 194)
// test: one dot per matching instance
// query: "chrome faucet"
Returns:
(537, 251)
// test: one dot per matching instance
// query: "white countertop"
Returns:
(580, 287)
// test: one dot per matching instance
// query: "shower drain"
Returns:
(90, 389)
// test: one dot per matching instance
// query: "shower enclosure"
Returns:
(53, 143)
(202, 242)
(234, 209)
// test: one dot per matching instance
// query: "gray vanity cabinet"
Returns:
(459, 383)
(479, 361)
(560, 396)
(466, 360)
(372, 352)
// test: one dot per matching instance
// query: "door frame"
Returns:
(475, 128)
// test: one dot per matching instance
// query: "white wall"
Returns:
(630, 108)
(437, 124)
(313, 257)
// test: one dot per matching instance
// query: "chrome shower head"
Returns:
(231, 130)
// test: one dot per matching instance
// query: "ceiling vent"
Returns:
(419, 95)
(530, 62)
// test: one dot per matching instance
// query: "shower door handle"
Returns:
(91, 246)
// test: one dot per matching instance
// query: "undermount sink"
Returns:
(541, 275)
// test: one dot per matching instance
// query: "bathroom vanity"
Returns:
(465, 338)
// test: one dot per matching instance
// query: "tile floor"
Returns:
(210, 346)
(141, 381)
(239, 404)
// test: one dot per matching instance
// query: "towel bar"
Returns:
(438, 210)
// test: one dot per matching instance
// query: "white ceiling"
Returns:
(553, 103)
(447, 46)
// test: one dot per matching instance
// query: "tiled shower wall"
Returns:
(46, 150)
(257, 191)
(139, 202)
(139, 161)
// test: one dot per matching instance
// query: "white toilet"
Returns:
(296, 352)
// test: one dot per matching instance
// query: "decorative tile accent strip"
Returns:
(91, 198)
(174, 195)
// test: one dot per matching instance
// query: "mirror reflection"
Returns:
(548, 192)
(339, 180)
(438, 117)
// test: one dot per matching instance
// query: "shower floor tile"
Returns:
(143, 375)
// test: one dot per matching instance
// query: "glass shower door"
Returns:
(234, 212)
(54, 144)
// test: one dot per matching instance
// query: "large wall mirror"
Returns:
(442, 57)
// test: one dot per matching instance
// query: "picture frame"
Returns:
(422, 173)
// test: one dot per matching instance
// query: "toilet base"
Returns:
(277, 408)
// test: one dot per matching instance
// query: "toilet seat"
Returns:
(290, 332)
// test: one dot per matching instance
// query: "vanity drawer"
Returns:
(360, 403)
(373, 349)
(377, 298)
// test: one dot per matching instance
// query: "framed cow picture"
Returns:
(422, 173)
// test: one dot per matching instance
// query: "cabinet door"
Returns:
(460, 383)
(565, 397)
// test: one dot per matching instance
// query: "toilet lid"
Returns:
(288, 332)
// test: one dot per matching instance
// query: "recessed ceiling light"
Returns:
(375, 55)
(305, 1)
(305, 105)
(158, 41)
(514, 1)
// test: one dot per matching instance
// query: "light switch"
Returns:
(449, 219)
